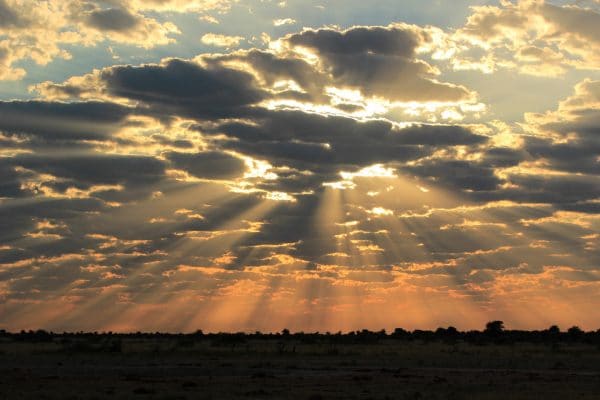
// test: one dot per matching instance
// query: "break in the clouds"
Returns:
(319, 177)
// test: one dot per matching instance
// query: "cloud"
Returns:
(184, 88)
(272, 68)
(324, 146)
(230, 103)
(57, 124)
(44, 30)
(208, 165)
(112, 19)
(567, 138)
(8, 17)
(124, 25)
(215, 39)
(181, 6)
(351, 82)
(547, 39)
(211, 88)
(378, 61)
(284, 21)
(84, 171)
(560, 152)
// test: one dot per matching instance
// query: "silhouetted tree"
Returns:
(494, 328)
(554, 330)
(575, 333)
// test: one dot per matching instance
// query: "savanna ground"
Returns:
(275, 367)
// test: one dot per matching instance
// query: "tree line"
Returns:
(494, 332)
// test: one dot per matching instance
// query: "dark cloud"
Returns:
(457, 174)
(325, 143)
(558, 189)
(273, 68)
(185, 88)
(567, 143)
(83, 171)
(8, 16)
(112, 19)
(578, 157)
(10, 185)
(312, 141)
(573, 143)
(439, 136)
(379, 61)
(360, 40)
(18, 216)
(208, 165)
(294, 181)
(52, 122)
(504, 156)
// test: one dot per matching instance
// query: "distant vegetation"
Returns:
(494, 332)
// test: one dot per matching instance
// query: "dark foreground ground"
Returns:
(109, 367)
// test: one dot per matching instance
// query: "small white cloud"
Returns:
(284, 21)
(209, 18)
(215, 39)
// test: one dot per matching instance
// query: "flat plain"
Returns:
(278, 367)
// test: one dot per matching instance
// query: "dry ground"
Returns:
(272, 369)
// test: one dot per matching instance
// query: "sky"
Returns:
(315, 165)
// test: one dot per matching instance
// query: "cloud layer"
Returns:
(332, 178)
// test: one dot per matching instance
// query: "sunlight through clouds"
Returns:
(247, 165)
